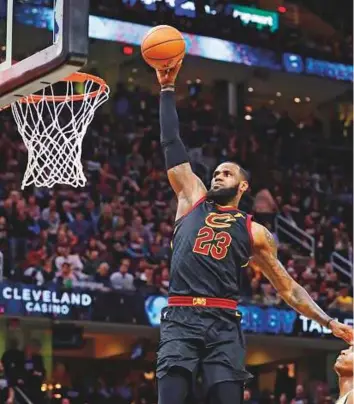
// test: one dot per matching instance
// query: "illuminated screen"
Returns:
(207, 47)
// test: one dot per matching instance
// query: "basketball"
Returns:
(163, 47)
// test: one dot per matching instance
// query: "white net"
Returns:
(53, 128)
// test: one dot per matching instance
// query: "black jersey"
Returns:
(210, 247)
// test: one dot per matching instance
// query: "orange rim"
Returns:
(76, 78)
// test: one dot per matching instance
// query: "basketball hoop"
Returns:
(53, 127)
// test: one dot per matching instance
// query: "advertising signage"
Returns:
(260, 18)
(78, 304)
(20, 299)
(262, 320)
(108, 29)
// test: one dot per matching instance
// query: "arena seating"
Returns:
(116, 231)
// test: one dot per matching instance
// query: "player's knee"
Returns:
(228, 392)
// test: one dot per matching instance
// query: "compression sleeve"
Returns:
(171, 142)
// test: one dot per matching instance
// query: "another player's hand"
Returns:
(342, 331)
(168, 76)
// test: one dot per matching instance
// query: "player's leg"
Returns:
(173, 388)
(226, 393)
(223, 362)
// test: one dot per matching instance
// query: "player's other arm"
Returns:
(187, 186)
(265, 259)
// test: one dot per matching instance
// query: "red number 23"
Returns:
(203, 243)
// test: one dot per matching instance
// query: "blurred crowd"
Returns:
(125, 382)
(139, 387)
(290, 37)
(116, 231)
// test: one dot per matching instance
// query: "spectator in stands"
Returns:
(51, 208)
(122, 279)
(270, 298)
(7, 393)
(283, 399)
(165, 280)
(256, 291)
(66, 275)
(81, 227)
(92, 214)
(34, 374)
(53, 223)
(61, 375)
(92, 262)
(328, 296)
(65, 255)
(40, 274)
(343, 301)
(247, 397)
(20, 234)
(265, 206)
(67, 215)
(33, 208)
(300, 395)
(12, 360)
(137, 247)
(102, 274)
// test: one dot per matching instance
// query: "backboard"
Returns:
(32, 59)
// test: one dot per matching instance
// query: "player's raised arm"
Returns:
(187, 186)
(265, 259)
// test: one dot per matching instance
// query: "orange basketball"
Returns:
(163, 47)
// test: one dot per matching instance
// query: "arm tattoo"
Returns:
(292, 293)
(270, 240)
(302, 302)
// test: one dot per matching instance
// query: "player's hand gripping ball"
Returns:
(163, 47)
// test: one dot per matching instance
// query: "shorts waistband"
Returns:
(202, 302)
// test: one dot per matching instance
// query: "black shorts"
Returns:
(205, 340)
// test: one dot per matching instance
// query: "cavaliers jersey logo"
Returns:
(222, 220)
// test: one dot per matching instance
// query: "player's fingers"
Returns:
(348, 337)
(178, 66)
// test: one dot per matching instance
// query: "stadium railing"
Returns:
(298, 237)
(341, 264)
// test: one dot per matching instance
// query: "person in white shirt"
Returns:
(51, 208)
(66, 256)
(123, 279)
(344, 369)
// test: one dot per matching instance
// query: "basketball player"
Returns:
(213, 243)
(344, 369)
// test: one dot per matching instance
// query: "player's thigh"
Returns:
(178, 347)
(225, 356)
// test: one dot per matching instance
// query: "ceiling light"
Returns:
(307, 99)
(297, 100)
(250, 89)
(248, 118)
(278, 94)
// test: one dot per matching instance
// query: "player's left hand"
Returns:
(342, 331)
